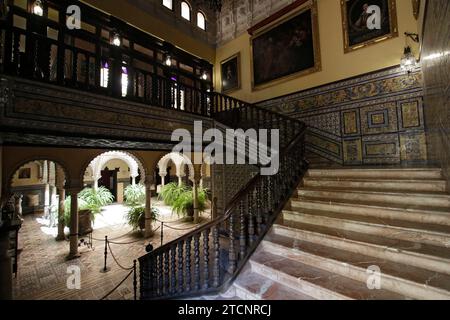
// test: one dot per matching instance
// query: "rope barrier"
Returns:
(180, 229)
(116, 287)
(131, 242)
(117, 262)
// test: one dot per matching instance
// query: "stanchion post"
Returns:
(135, 280)
(105, 268)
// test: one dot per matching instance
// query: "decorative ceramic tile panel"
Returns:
(355, 115)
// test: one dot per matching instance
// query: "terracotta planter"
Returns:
(84, 222)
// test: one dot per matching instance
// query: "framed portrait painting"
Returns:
(231, 74)
(286, 48)
(367, 22)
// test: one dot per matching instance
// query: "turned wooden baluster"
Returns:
(216, 279)
(232, 250)
(259, 208)
(206, 259)
(242, 237)
(173, 269)
(197, 261)
(188, 264)
(180, 267)
(160, 275)
(251, 222)
(166, 273)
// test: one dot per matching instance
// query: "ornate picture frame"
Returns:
(287, 47)
(354, 23)
(230, 71)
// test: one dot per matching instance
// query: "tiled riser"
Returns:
(376, 174)
(378, 230)
(404, 200)
(419, 186)
(436, 264)
(430, 217)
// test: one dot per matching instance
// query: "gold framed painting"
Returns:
(231, 73)
(286, 48)
(367, 22)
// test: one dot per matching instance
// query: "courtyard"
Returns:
(43, 267)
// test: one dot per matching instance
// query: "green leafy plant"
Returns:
(136, 216)
(134, 195)
(89, 199)
(171, 192)
(184, 204)
(96, 198)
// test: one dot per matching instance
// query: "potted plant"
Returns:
(183, 205)
(136, 217)
(90, 203)
(134, 195)
(171, 192)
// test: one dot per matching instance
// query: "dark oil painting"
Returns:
(284, 50)
(358, 14)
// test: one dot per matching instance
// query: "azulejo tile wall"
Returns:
(372, 119)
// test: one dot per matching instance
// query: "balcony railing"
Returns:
(106, 56)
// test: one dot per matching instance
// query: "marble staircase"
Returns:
(343, 223)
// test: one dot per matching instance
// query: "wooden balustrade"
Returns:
(222, 247)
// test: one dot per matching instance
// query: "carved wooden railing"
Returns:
(44, 49)
(208, 259)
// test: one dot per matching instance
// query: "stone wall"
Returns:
(372, 119)
(436, 66)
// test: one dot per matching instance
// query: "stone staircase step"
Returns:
(397, 199)
(379, 229)
(403, 279)
(315, 282)
(423, 256)
(253, 286)
(428, 217)
(410, 173)
(437, 186)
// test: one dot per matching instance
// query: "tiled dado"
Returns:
(376, 118)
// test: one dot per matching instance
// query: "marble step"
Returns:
(414, 173)
(397, 199)
(252, 286)
(376, 229)
(391, 214)
(314, 282)
(403, 279)
(423, 256)
(438, 186)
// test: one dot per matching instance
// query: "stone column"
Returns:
(163, 179)
(133, 181)
(60, 180)
(73, 192)
(148, 206)
(95, 184)
(196, 181)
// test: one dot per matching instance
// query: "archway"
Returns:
(114, 170)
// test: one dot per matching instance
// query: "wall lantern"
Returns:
(38, 8)
(204, 75)
(116, 40)
(168, 61)
(408, 61)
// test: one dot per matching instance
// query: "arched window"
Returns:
(168, 4)
(201, 21)
(185, 10)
